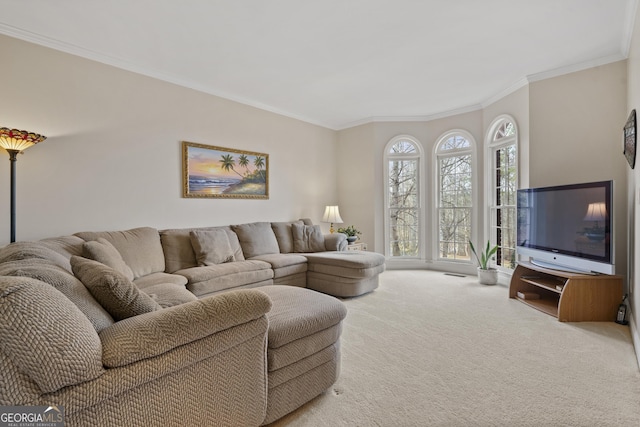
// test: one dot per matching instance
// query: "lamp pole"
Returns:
(15, 141)
(13, 158)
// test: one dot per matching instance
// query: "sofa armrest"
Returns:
(151, 334)
(335, 242)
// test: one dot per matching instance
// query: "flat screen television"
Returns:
(567, 227)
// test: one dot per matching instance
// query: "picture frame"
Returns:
(630, 139)
(217, 172)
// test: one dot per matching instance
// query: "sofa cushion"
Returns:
(104, 252)
(211, 247)
(64, 245)
(348, 263)
(46, 336)
(140, 248)
(32, 250)
(307, 238)
(118, 295)
(168, 294)
(65, 282)
(220, 277)
(299, 313)
(159, 278)
(256, 238)
(178, 252)
(283, 233)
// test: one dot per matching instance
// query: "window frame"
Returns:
(492, 146)
(419, 156)
(437, 155)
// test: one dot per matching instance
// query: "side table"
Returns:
(357, 247)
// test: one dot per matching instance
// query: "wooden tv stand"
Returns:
(571, 297)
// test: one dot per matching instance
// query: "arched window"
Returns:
(502, 183)
(403, 213)
(454, 154)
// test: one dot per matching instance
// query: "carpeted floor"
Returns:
(429, 349)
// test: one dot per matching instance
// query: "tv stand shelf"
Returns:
(571, 297)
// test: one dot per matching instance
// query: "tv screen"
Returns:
(569, 226)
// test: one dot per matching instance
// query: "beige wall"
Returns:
(633, 193)
(112, 159)
(576, 125)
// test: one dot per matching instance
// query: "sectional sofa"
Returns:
(200, 326)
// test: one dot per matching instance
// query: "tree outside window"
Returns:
(454, 196)
(403, 198)
(503, 155)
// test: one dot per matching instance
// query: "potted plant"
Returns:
(486, 275)
(351, 232)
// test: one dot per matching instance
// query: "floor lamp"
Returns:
(15, 141)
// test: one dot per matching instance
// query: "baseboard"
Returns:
(635, 337)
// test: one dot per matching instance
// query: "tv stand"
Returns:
(571, 297)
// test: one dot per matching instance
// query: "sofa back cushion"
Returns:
(104, 252)
(65, 282)
(33, 250)
(282, 230)
(140, 248)
(256, 238)
(64, 245)
(307, 238)
(46, 336)
(179, 253)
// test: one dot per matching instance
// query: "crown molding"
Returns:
(576, 67)
(425, 118)
(508, 91)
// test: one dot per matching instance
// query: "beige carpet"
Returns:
(428, 349)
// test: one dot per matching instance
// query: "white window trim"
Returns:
(421, 209)
(450, 264)
(490, 184)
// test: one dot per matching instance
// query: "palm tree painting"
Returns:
(210, 171)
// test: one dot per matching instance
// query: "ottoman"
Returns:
(303, 348)
(344, 273)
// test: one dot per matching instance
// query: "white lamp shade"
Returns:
(596, 212)
(332, 215)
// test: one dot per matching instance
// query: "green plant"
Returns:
(484, 257)
(349, 231)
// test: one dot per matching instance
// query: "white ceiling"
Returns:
(336, 63)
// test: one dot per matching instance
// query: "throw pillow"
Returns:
(282, 230)
(118, 295)
(211, 246)
(104, 252)
(256, 239)
(307, 238)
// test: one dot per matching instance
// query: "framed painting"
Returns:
(210, 171)
(630, 139)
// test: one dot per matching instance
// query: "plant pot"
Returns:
(352, 239)
(488, 276)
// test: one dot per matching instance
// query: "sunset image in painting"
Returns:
(220, 172)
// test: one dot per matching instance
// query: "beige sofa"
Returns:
(169, 327)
